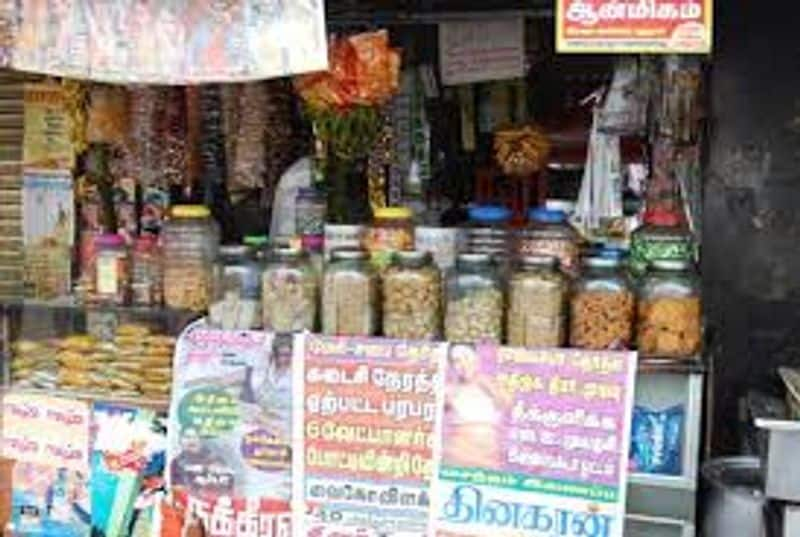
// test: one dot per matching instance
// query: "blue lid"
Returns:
(489, 213)
(612, 253)
(547, 216)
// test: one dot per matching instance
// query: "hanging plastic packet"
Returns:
(600, 199)
(249, 154)
(281, 139)
(656, 440)
(625, 108)
(144, 140)
(172, 132)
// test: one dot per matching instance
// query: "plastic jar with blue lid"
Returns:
(550, 234)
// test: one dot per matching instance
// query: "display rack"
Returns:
(662, 505)
(37, 320)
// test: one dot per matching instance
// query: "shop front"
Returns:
(349, 270)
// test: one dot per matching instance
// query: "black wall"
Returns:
(751, 232)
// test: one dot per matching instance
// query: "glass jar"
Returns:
(602, 306)
(474, 309)
(653, 242)
(669, 321)
(147, 272)
(441, 242)
(112, 273)
(191, 242)
(289, 292)
(350, 295)
(537, 298)
(412, 297)
(550, 234)
(392, 231)
(310, 209)
(236, 290)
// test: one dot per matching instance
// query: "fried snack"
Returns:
(475, 316)
(412, 306)
(670, 326)
(133, 330)
(78, 343)
(521, 151)
(602, 320)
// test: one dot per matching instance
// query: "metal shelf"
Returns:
(663, 364)
(663, 481)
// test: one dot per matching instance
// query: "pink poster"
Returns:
(535, 442)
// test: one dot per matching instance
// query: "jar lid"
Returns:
(656, 233)
(661, 217)
(349, 254)
(547, 216)
(608, 252)
(489, 214)
(413, 258)
(109, 240)
(601, 261)
(393, 213)
(544, 261)
(313, 243)
(287, 252)
(190, 211)
(256, 240)
(671, 265)
(474, 258)
(145, 243)
(233, 250)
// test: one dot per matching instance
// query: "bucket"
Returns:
(736, 501)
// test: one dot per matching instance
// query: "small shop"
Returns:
(405, 268)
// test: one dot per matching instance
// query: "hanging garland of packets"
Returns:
(345, 105)
(380, 162)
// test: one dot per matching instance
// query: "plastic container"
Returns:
(537, 299)
(392, 231)
(602, 305)
(191, 243)
(474, 306)
(258, 245)
(146, 287)
(350, 295)
(488, 231)
(669, 320)
(112, 272)
(412, 297)
(290, 290)
(441, 242)
(236, 298)
(653, 242)
(310, 210)
(550, 234)
(735, 500)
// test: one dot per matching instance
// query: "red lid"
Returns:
(145, 243)
(109, 240)
(313, 243)
(661, 217)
